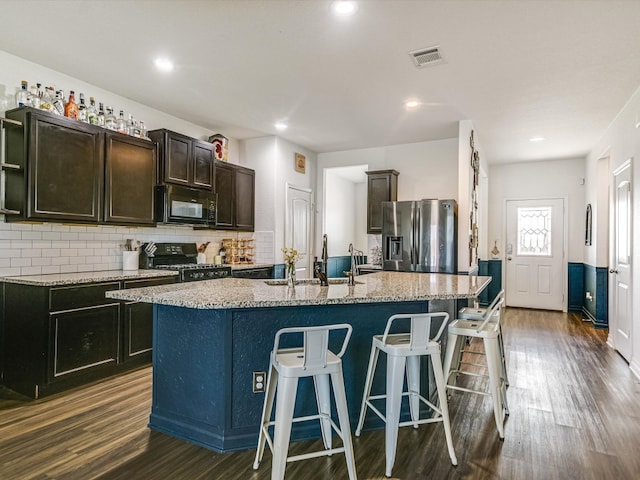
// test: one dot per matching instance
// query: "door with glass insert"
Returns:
(534, 254)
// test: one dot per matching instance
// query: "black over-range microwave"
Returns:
(183, 205)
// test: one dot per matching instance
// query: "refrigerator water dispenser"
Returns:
(394, 248)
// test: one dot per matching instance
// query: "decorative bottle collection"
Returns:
(53, 101)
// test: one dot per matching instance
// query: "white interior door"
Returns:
(535, 254)
(298, 227)
(620, 269)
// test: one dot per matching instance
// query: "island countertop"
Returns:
(379, 287)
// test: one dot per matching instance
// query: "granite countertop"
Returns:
(55, 279)
(249, 293)
(246, 266)
(370, 266)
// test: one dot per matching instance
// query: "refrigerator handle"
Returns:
(413, 235)
(417, 234)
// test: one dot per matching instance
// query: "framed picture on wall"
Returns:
(300, 163)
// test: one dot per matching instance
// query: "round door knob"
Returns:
(613, 270)
(509, 258)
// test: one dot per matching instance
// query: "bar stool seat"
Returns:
(489, 331)
(286, 366)
(479, 313)
(403, 356)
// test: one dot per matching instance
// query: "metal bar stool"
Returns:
(403, 354)
(487, 329)
(286, 366)
(479, 313)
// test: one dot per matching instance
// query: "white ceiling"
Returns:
(560, 69)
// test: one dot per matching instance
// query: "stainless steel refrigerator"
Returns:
(420, 236)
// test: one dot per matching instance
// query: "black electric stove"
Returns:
(182, 257)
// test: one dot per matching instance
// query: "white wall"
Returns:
(544, 179)
(273, 160)
(619, 143)
(360, 236)
(340, 211)
(427, 170)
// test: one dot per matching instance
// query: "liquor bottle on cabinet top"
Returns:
(22, 96)
(32, 99)
(121, 124)
(71, 107)
(46, 102)
(101, 117)
(82, 110)
(58, 103)
(110, 120)
(92, 113)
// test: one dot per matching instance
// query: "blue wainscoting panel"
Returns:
(576, 277)
(602, 298)
(596, 284)
(278, 270)
(493, 269)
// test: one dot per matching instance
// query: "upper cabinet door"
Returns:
(130, 180)
(382, 186)
(225, 187)
(202, 164)
(245, 199)
(178, 159)
(65, 165)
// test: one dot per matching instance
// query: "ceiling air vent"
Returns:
(426, 56)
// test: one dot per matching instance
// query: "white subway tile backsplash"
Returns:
(51, 269)
(16, 244)
(22, 226)
(20, 262)
(31, 249)
(31, 271)
(32, 235)
(9, 271)
(51, 235)
(42, 244)
(10, 235)
(46, 261)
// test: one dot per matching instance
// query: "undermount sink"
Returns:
(310, 281)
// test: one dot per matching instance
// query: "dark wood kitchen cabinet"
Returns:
(184, 160)
(382, 186)
(235, 197)
(137, 324)
(130, 179)
(69, 171)
(63, 162)
(58, 337)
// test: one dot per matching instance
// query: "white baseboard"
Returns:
(634, 366)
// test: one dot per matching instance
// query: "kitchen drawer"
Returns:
(80, 296)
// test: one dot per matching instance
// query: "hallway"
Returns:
(574, 415)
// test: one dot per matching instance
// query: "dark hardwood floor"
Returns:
(575, 414)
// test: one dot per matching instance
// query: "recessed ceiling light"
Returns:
(344, 8)
(281, 126)
(536, 139)
(163, 64)
(411, 104)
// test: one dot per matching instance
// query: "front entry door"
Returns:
(535, 254)
(298, 221)
(620, 269)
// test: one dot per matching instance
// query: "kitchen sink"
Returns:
(311, 281)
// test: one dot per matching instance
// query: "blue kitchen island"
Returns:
(210, 336)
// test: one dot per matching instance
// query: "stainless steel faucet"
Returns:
(321, 272)
(351, 274)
